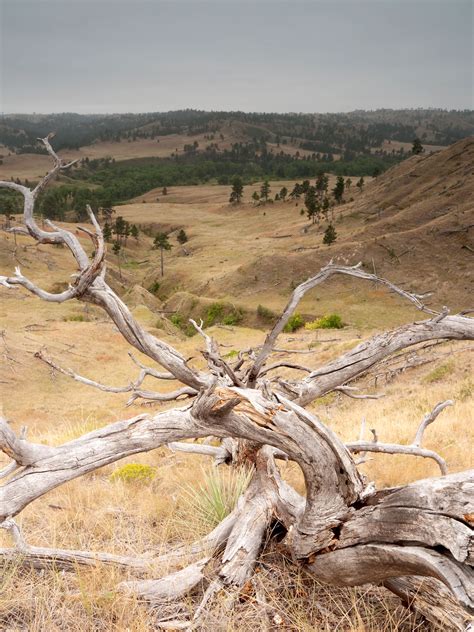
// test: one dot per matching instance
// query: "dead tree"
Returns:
(343, 531)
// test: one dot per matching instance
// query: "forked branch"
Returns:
(414, 448)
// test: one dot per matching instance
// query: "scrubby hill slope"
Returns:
(415, 224)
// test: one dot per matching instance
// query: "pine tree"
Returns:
(107, 232)
(237, 190)
(417, 147)
(283, 193)
(255, 197)
(116, 249)
(322, 182)
(165, 191)
(330, 235)
(182, 237)
(161, 241)
(312, 205)
(338, 190)
(134, 231)
(360, 184)
(265, 190)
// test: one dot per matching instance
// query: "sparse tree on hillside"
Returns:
(107, 232)
(134, 231)
(237, 190)
(117, 250)
(265, 190)
(417, 147)
(164, 191)
(313, 208)
(283, 193)
(360, 184)
(182, 237)
(162, 243)
(322, 182)
(330, 235)
(255, 197)
(338, 190)
(414, 540)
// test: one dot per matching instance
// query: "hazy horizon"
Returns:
(118, 113)
(272, 56)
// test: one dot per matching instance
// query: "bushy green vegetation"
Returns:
(294, 323)
(154, 287)
(134, 473)
(330, 321)
(221, 313)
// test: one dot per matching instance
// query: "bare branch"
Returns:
(42, 557)
(216, 363)
(429, 418)
(349, 391)
(301, 290)
(289, 365)
(365, 355)
(132, 387)
(220, 453)
(413, 449)
(162, 397)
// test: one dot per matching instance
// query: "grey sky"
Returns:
(265, 55)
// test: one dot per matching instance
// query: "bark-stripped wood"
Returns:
(343, 531)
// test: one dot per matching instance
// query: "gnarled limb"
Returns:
(62, 559)
(357, 361)
(413, 449)
(376, 563)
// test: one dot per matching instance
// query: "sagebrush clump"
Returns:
(330, 321)
(134, 473)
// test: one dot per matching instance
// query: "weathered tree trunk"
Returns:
(342, 531)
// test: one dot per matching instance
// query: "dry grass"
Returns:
(135, 517)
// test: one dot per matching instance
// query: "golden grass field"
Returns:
(248, 256)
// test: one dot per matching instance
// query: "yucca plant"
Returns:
(213, 499)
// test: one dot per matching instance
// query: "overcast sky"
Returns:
(265, 55)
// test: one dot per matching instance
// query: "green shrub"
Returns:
(154, 287)
(217, 495)
(439, 373)
(177, 319)
(233, 318)
(220, 313)
(75, 318)
(233, 353)
(266, 314)
(295, 322)
(215, 313)
(134, 473)
(330, 321)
